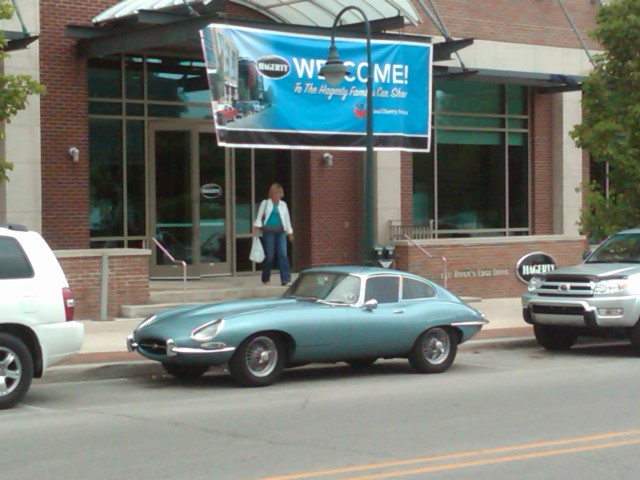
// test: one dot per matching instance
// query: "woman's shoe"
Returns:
(266, 283)
(286, 284)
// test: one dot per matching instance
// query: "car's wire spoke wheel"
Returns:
(436, 345)
(10, 371)
(262, 356)
(259, 360)
(16, 370)
(434, 350)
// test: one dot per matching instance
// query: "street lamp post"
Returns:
(334, 71)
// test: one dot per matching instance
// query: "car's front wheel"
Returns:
(16, 370)
(185, 372)
(259, 361)
(434, 351)
(554, 338)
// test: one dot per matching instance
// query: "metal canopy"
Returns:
(542, 82)
(314, 13)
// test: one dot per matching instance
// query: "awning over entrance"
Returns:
(172, 25)
(317, 13)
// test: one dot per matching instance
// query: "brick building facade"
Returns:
(516, 43)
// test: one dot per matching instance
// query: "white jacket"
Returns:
(266, 207)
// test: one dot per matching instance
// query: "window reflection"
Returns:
(106, 180)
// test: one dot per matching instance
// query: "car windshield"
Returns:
(619, 248)
(329, 287)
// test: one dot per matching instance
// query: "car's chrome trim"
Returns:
(131, 345)
(173, 351)
(470, 323)
(202, 350)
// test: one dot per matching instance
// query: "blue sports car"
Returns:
(329, 314)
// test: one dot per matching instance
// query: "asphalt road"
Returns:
(496, 414)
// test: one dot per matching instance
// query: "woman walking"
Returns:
(274, 221)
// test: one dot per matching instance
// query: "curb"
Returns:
(118, 365)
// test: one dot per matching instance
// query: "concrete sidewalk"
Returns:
(106, 341)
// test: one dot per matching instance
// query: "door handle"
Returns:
(398, 311)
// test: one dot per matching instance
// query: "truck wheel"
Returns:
(554, 338)
(634, 337)
(16, 370)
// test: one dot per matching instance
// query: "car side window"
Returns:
(13, 261)
(414, 289)
(383, 289)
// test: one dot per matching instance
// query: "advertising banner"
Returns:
(266, 92)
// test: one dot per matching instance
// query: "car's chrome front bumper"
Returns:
(173, 350)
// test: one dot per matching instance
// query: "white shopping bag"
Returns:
(257, 252)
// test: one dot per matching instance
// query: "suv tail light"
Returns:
(69, 303)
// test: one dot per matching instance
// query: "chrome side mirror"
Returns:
(371, 304)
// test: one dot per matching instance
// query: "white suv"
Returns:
(36, 312)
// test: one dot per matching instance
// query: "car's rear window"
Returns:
(415, 290)
(13, 261)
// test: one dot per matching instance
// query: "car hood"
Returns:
(192, 316)
(596, 270)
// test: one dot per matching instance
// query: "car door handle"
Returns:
(398, 311)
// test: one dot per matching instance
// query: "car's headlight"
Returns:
(207, 331)
(534, 284)
(610, 287)
(146, 322)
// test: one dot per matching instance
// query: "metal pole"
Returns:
(104, 287)
(369, 214)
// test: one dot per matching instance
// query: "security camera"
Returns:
(74, 152)
(328, 158)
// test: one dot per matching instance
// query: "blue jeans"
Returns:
(275, 242)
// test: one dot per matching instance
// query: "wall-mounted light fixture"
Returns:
(74, 153)
(327, 158)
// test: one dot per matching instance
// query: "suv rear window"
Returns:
(13, 261)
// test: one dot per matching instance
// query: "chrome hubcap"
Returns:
(436, 346)
(10, 371)
(262, 356)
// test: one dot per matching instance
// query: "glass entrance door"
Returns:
(189, 211)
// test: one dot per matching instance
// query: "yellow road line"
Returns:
(460, 455)
(488, 461)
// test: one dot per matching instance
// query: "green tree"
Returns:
(14, 89)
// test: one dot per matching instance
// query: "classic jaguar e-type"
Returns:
(329, 314)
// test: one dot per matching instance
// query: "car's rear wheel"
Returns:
(361, 363)
(434, 351)
(16, 370)
(554, 338)
(259, 361)
(185, 372)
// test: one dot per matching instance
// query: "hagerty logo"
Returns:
(273, 66)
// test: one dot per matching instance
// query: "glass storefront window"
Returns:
(105, 79)
(177, 80)
(480, 154)
(516, 100)
(136, 207)
(468, 97)
(134, 77)
(106, 200)
(244, 214)
(423, 188)
(471, 190)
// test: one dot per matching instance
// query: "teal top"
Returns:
(274, 219)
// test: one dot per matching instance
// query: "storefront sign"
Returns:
(211, 190)
(481, 273)
(266, 92)
(533, 264)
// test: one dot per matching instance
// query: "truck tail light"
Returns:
(69, 303)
